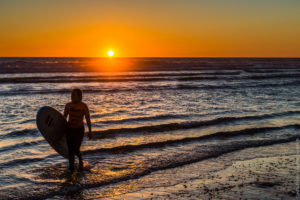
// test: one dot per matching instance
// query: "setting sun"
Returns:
(110, 53)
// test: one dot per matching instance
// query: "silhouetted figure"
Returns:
(76, 110)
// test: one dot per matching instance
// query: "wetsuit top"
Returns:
(76, 113)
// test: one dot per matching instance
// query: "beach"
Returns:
(266, 176)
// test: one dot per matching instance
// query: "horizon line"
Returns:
(149, 57)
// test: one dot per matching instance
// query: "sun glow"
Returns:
(110, 53)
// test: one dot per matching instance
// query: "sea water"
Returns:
(153, 115)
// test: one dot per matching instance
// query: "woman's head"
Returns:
(76, 95)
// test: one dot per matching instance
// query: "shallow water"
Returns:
(176, 112)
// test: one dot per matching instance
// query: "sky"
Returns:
(156, 28)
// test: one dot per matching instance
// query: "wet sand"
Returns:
(263, 178)
(270, 172)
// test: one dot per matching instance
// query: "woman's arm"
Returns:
(88, 121)
(66, 111)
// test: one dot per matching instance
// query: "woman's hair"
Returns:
(78, 92)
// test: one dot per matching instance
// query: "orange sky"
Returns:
(166, 28)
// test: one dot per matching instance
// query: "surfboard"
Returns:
(53, 127)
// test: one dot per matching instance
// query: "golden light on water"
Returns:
(107, 64)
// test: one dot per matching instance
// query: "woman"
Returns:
(76, 110)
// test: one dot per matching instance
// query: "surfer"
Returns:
(76, 110)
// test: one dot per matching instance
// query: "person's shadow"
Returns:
(71, 186)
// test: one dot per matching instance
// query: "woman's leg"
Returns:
(79, 138)
(70, 144)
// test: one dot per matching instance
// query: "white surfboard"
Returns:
(53, 126)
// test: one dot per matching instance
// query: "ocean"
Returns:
(149, 116)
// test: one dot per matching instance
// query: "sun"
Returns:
(110, 53)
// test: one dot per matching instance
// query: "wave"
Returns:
(22, 133)
(255, 77)
(156, 128)
(135, 119)
(290, 83)
(130, 148)
(145, 78)
(222, 134)
(185, 125)
(259, 71)
(169, 164)
(149, 88)
(113, 78)
(21, 145)
(20, 161)
(110, 133)
(273, 76)
(79, 80)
